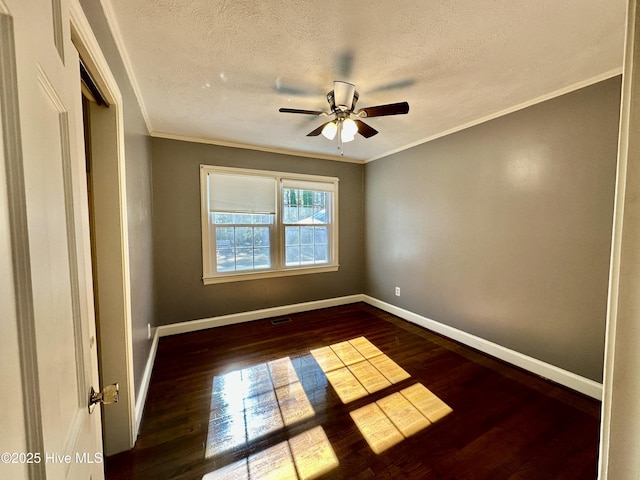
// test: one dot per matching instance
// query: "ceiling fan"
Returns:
(342, 100)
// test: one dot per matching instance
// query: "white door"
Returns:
(51, 329)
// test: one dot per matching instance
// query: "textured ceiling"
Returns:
(219, 70)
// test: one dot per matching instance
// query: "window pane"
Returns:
(306, 245)
(262, 219)
(253, 248)
(291, 197)
(293, 256)
(222, 218)
(224, 237)
(319, 215)
(306, 215)
(225, 260)
(244, 236)
(307, 197)
(261, 236)
(306, 235)
(321, 254)
(261, 258)
(292, 235)
(321, 235)
(306, 254)
(290, 214)
(244, 259)
(305, 206)
(242, 218)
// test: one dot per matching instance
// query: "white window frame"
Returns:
(278, 268)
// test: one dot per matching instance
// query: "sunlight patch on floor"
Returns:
(347, 353)
(395, 417)
(376, 428)
(403, 414)
(263, 399)
(427, 402)
(357, 368)
(389, 368)
(253, 402)
(305, 456)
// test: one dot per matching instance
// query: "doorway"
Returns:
(107, 218)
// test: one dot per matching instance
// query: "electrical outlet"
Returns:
(148, 331)
(397, 291)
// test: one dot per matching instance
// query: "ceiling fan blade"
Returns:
(395, 85)
(317, 131)
(289, 90)
(383, 110)
(304, 112)
(365, 130)
(344, 61)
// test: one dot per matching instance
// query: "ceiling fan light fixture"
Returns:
(329, 131)
(346, 138)
(345, 132)
(349, 128)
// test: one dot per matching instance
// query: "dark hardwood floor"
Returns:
(505, 423)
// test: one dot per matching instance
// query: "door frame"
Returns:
(112, 252)
(620, 430)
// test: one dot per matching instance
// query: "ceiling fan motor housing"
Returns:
(337, 108)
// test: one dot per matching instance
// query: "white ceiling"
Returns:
(218, 70)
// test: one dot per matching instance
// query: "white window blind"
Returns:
(308, 185)
(241, 193)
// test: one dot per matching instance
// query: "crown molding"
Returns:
(281, 151)
(557, 93)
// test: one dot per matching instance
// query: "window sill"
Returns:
(241, 277)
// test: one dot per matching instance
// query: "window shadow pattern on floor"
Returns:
(258, 401)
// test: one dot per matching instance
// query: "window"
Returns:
(258, 224)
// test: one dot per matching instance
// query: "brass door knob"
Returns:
(108, 396)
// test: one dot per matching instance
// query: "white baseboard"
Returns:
(546, 370)
(141, 398)
(202, 324)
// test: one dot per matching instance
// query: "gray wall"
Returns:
(180, 293)
(503, 230)
(139, 206)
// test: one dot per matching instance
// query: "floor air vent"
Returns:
(279, 321)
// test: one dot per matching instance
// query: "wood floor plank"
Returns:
(346, 385)
(347, 353)
(370, 378)
(327, 359)
(426, 402)
(213, 407)
(313, 454)
(404, 415)
(365, 347)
